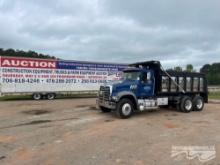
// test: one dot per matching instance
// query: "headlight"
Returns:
(115, 98)
(100, 93)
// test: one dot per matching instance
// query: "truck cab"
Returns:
(139, 82)
(141, 88)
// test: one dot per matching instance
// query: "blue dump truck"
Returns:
(146, 85)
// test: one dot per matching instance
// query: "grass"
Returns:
(8, 98)
(214, 95)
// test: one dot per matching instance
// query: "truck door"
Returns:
(147, 84)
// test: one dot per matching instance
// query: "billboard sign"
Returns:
(39, 75)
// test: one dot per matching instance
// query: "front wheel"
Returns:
(124, 108)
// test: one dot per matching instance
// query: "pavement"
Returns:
(73, 131)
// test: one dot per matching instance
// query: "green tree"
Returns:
(189, 68)
(178, 68)
(10, 52)
(21, 53)
(1, 51)
(206, 68)
(212, 73)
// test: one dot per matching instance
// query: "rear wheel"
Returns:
(186, 104)
(198, 103)
(124, 108)
(51, 96)
(36, 96)
(105, 110)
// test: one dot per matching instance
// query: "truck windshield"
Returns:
(131, 75)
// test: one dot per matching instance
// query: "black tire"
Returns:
(186, 104)
(105, 110)
(51, 96)
(198, 103)
(37, 96)
(125, 108)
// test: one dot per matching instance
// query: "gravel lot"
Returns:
(72, 131)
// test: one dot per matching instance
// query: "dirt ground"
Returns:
(72, 131)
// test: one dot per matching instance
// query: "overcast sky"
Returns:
(175, 32)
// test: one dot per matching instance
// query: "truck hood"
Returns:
(122, 86)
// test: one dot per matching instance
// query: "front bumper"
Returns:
(105, 103)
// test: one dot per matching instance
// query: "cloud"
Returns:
(174, 32)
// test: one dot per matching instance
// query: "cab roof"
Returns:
(146, 64)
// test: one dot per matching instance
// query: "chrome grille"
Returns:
(104, 93)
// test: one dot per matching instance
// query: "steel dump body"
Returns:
(188, 84)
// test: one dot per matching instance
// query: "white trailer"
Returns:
(40, 77)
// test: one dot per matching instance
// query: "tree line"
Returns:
(21, 53)
(212, 71)
(189, 68)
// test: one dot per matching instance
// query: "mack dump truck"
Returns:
(146, 85)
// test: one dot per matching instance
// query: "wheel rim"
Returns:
(188, 105)
(199, 103)
(126, 109)
(50, 96)
(37, 96)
